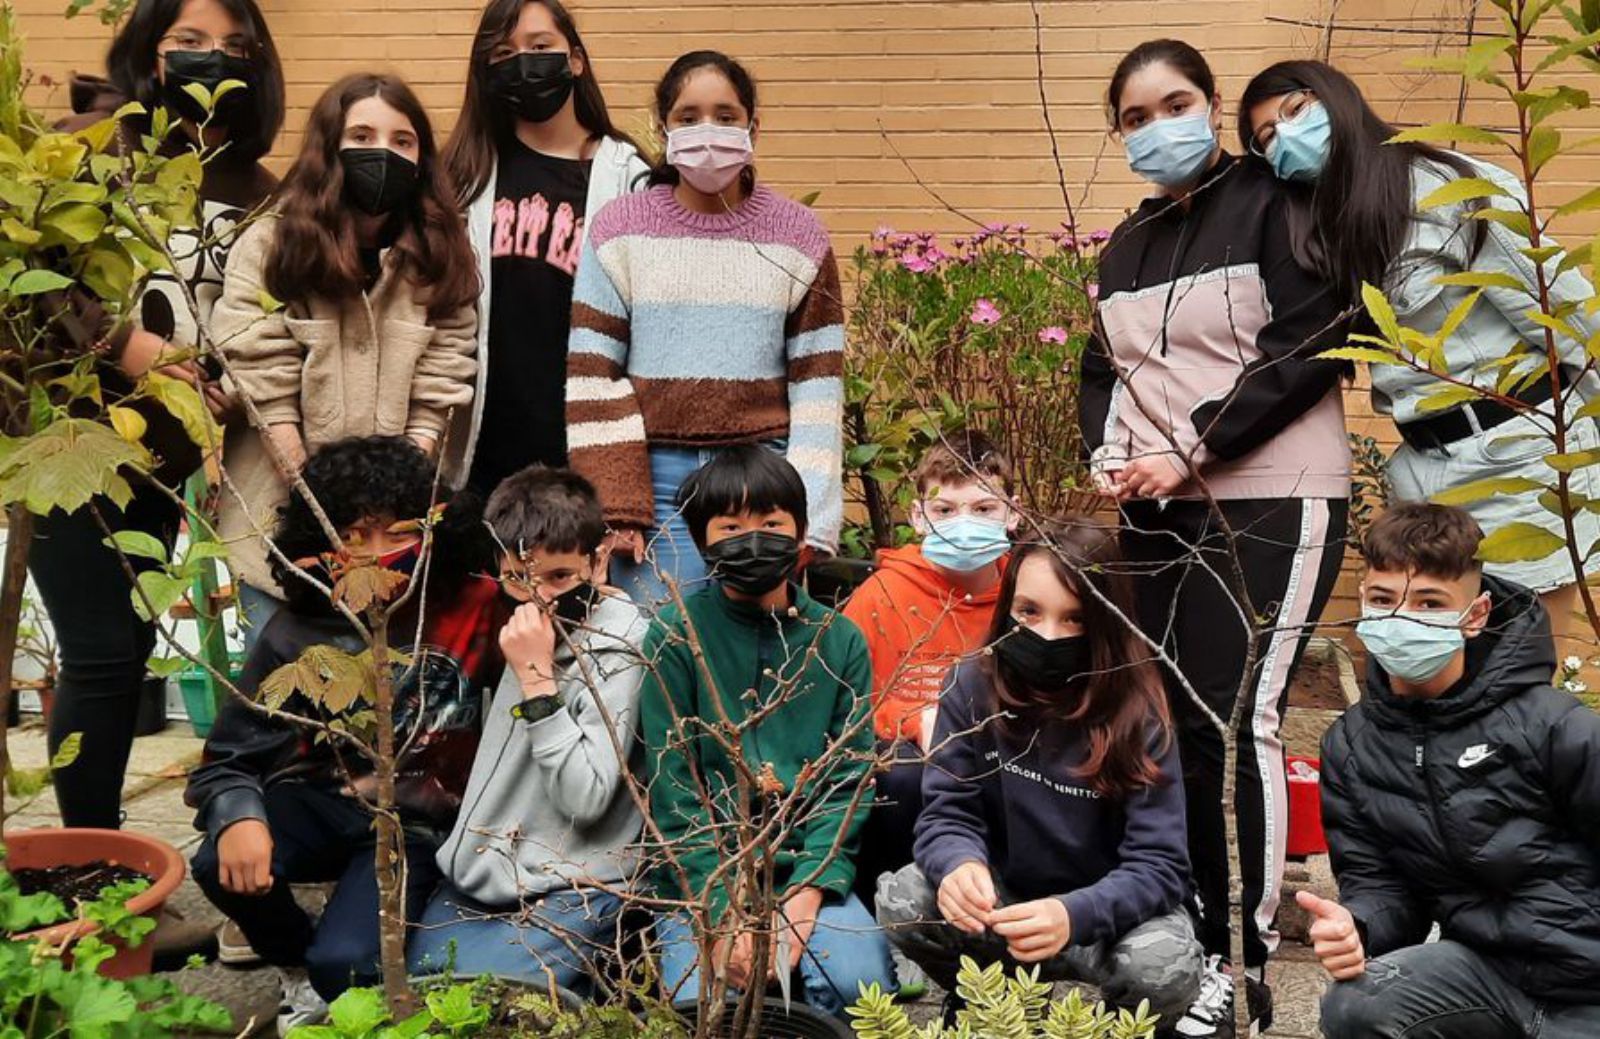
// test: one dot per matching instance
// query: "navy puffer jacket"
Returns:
(1479, 810)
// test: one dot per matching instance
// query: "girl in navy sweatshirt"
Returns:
(1053, 830)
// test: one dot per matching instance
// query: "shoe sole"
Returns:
(247, 957)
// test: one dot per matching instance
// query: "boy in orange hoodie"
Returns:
(927, 605)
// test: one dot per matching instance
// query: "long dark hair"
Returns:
(315, 252)
(671, 85)
(1353, 222)
(1121, 696)
(1189, 63)
(484, 127)
(132, 62)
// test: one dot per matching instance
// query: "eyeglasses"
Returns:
(1291, 108)
(234, 46)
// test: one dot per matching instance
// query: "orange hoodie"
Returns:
(918, 624)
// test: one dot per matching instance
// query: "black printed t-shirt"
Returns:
(534, 246)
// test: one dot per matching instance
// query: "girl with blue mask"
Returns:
(1203, 415)
(1357, 199)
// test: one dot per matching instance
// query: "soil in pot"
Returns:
(74, 884)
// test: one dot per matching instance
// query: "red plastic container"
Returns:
(1305, 808)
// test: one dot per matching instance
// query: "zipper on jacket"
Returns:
(1172, 278)
(1420, 736)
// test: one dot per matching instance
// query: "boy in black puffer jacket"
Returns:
(1462, 790)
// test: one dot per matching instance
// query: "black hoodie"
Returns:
(1479, 810)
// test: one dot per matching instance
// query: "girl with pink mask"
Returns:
(706, 314)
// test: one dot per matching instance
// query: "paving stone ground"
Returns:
(153, 798)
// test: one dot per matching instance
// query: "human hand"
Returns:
(1034, 931)
(1153, 476)
(740, 953)
(244, 857)
(626, 543)
(528, 642)
(140, 352)
(1334, 937)
(800, 917)
(290, 444)
(966, 897)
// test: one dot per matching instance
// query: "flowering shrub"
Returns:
(985, 330)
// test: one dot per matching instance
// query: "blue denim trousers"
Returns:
(847, 950)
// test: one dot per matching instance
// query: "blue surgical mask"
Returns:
(1413, 645)
(1299, 149)
(1172, 152)
(965, 543)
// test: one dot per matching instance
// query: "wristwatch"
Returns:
(539, 708)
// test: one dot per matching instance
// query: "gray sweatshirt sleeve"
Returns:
(576, 751)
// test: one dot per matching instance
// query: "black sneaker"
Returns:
(1211, 1015)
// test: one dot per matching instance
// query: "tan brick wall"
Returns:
(863, 99)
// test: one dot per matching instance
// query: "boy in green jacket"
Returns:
(789, 683)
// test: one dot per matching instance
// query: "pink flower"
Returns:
(883, 231)
(935, 255)
(1098, 237)
(1053, 334)
(916, 264)
(1093, 289)
(984, 312)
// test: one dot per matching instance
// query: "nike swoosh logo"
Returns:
(1475, 756)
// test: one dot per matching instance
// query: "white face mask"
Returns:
(1413, 645)
(708, 156)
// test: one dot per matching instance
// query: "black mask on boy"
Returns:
(210, 69)
(1044, 664)
(574, 605)
(377, 180)
(754, 563)
(532, 85)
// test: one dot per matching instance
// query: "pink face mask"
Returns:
(708, 156)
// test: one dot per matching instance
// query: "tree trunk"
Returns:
(19, 535)
(391, 847)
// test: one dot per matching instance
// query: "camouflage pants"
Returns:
(1160, 960)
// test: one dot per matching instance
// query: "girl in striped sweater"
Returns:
(706, 314)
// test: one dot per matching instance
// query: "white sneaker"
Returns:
(300, 1004)
(1211, 1015)
(233, 948)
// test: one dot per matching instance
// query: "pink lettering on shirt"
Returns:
(505, 212)
(563, 252)
(533, 216)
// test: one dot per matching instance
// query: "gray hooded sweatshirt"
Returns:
(546, 806)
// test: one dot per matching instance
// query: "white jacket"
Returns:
(616, 170)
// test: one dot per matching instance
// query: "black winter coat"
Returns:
(1479, 810)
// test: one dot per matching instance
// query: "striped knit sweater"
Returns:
(698, 330)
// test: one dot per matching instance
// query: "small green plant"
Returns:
(998, 1007)
(43, 996)
(465, 1010)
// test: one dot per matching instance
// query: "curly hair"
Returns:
(362, 478)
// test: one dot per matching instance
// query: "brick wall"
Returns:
(862, 100)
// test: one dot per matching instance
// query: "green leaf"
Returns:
(67, 464)
(1573, 460)
(1519, 542)
(93, 1006)
(1482, 280)
(109, 273)
(1449, 397)
(1447, 133)
(67, 753)
(165, 667)
(201, 95)
(1377, 305)
(1462, 189)
(455, 1009)
(1544, 143)
(188, 407)
(20, 913)
(1554, 324)
(1479, 490)
(1514, 220)
(1575, 258)
(269, 303)
(35, 282)
(138, 544)
(129, 424)
(161, 589)
(78, 223)
(1582, 204)
(1457, 315)
(1371, 355)
(357, 1012)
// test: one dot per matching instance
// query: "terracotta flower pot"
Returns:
(62, 847)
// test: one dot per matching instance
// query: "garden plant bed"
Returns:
(74, 884)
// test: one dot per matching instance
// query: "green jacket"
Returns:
(812, 663)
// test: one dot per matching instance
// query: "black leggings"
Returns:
(104, 646)
(1289, 551)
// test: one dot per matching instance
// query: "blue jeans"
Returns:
(847, 950)
(559, 937)
(255, 609)
(670, 548)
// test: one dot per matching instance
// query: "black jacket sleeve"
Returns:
(1305, 318)
(1096, 385)
(1571, 759)
(1389, 913)
(245, 747)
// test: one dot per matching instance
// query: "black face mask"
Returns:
(209, 69)
(574, 605)
(377, 180)
(753, 563)
(532, 85)
(1044, 664)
